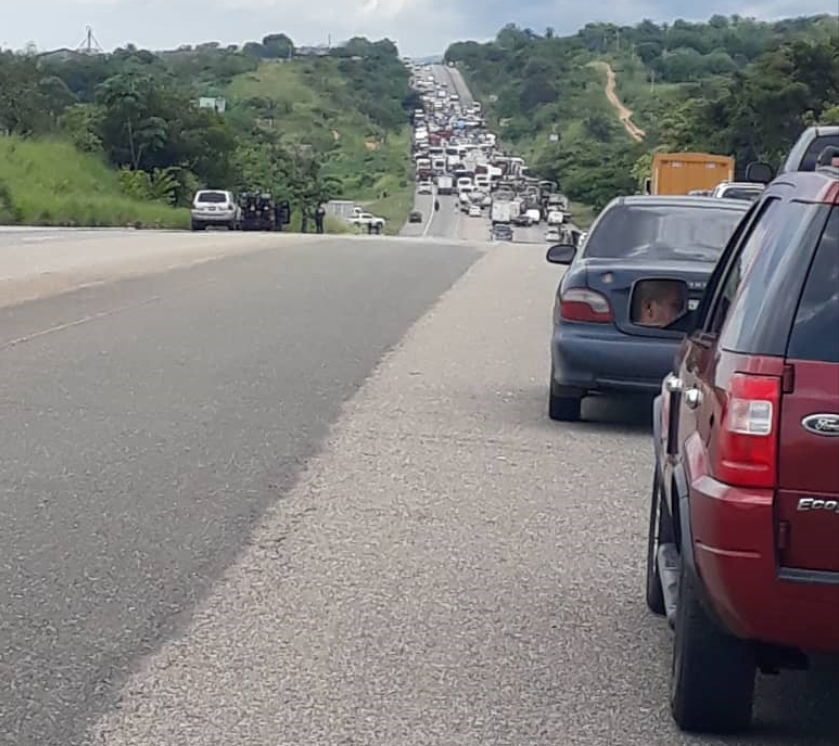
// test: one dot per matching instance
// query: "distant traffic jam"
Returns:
(456, 155)
(718, 298)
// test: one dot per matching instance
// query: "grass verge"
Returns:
(51, 183)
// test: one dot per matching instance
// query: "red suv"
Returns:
(743, 553)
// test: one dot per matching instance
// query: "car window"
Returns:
(769, 289)
(211, 197)
(741, 193)
(739, 266)
(808, 163)
(814, 332)
(662, 232)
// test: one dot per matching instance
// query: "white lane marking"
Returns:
(77, 322)
(432, 211)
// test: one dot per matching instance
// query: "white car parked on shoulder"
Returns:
(215, 207)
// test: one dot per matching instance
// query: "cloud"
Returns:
(418, 26)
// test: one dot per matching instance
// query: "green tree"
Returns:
(277, 46)
(131, 128)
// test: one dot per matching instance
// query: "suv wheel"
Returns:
(713, 674)
(658, 532)
(197, 226)
(563, 408)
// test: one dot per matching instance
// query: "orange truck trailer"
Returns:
(682, 173)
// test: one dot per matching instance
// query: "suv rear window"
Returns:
(663, 232)
(762, 279)
(808, 163)
(215, 198)
(815, 332)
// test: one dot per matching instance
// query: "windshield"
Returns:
(214, 198)
(662, 232)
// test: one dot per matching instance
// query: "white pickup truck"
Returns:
(366, 219)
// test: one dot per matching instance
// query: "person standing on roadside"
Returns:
(320, 218)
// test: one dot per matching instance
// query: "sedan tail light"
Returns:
(582, 304)
(747, 451)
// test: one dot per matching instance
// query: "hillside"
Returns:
(731, 85)
(305, 129)
(52, 183)
(318, 106)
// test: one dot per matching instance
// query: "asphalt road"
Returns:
(147, 425)
(255, 501)
(307, 493)
(450, 222)
(454, 82)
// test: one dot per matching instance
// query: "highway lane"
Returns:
(459, 85)
(147, 424)
(454, 82)
(450, 568)
(217, 530)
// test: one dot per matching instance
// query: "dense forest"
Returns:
(138, 110)
(732, 85)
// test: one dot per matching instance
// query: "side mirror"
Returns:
(759, 173)
(561, 254)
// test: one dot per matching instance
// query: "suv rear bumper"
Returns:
(734, 547)
(214, 218)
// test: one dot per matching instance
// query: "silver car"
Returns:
(214, 207)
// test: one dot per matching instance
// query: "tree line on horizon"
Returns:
(138, 109)
(732, 85)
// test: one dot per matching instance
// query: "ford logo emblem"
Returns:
(822, 424)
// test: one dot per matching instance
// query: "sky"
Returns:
(419, 27)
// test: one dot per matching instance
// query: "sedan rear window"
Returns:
(742, 193)
(214, 198)
(663, 232)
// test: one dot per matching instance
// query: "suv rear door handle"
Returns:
(693, 398)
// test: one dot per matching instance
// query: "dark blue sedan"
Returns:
(627, 298)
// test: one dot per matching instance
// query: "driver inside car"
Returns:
(657, 303)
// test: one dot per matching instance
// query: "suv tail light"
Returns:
(582, 304)
(747, 450)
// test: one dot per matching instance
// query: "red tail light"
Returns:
(582, 304)
(831, 195)
(747, 451)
